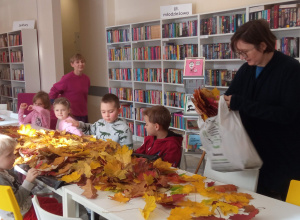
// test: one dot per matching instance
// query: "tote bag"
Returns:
(226, 141)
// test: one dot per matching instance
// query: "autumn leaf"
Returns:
(72, 178)
(244, 217)
(114, 169)
(149, 207)
(94, 165)
(119, 197)
(224, 188)
(180, 213)
(225, 208)
(89, 190)
(123, 155)
(162, 165)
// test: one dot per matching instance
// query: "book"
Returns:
(155, 31)
(194, 66)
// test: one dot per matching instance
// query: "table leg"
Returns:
(70, 208)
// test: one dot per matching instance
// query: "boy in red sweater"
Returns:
(160, 140)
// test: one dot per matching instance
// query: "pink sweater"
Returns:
(75, 89)
(65, 126)
(39, 116)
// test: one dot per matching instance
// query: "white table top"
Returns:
(9, 117)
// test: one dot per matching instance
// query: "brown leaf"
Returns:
(89, 190)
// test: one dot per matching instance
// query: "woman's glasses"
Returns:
(243, 53)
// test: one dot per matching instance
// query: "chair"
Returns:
(245, 179)
(42, 214)
(293, 195)
(9, 203)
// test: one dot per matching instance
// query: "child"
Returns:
(111, 126)
(61, 107)
(161, 141)
(22, 192)
(40, 114)
(75, 87)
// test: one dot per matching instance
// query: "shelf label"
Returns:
(181, 10)
(26, 24)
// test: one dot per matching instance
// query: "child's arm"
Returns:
(88, 129)
(70, 128)
(126, 138)
(45, 115)
(21, 118)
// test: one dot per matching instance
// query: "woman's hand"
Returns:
(32, 174)
(23, 106)
(227, 99)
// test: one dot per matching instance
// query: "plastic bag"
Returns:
(226, 141)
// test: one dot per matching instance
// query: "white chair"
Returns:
(244, 179)
(42, 214)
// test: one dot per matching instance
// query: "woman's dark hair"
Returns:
(254, 32)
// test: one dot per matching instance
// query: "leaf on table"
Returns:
(149, 207)
(180, 213)
(210, 184)
(224, 188)
(162, 165)
(123, 155)
(208, 218)
(90, 191)
(199, 209)
(175, 178)
(119, 197)
(114, 169)
(163, 181)
(73, 177)
(249, 208)
(244, 217)
(225, 208)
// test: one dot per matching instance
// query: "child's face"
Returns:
(61, 111)
(7, 159)
(109, 111)
(78, 65)
(39, 102)
(150, 127)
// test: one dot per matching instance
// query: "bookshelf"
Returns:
(154, 65)
(19, 65)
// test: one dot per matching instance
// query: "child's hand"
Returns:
(32, 174)
(23, 106)
(73, 122)
(30, 108)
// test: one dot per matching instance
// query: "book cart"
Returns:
(146, 59)
(19, 65)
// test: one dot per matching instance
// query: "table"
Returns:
(10, 118)
(269, 208)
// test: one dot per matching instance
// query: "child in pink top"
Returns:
(61, 107)
(40, 114)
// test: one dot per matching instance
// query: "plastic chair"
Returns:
(9, 203)
(293, 195)
(42, 214)
(245, 179)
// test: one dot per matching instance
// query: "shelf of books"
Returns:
(146, 60)
(19, 67)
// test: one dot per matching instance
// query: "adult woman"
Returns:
(266, 93)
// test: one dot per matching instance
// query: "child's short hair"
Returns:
(6, 143)
(63, 101)
(77, 56)
(160, 115)
(44, 97)
(109, 97)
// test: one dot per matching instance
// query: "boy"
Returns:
(22, 192)
(160, 140)
(110, 126)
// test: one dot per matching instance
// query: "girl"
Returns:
(40, 114)
(61, 107)
(21, 191)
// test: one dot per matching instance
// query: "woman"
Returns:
(266, 93)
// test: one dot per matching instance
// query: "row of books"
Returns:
(219, 77)
(120, 35)
(5, 73)
(173, 76)
(177, 120)
(147, 74)
(193, 143)
(16, 56)
(17, 90)
(18, 74)
(146, 53)
(131, 126)
(122, 93)
(288, 46)
(278, 15)
(180, 52)
(15, 39)
(5, 89)
(146, 33)
(11, 105)
(120, 74)
(148, 96)
(139, 113)
(140, 130)
(119, 54)
(217, 51)
(3, 40)
(126, 110)
(174, 99)
(227, 24)
(182, 29)
(4, 57)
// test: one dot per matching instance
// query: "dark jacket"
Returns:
(169, 148)
(270, 111)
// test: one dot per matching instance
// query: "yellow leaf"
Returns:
(180, 213)
(149, 179)
(73, 177)
(114, 169)
(94, 165)
(162, 165)
(216, 93)
(149, 207)
(225, 208)
(119, 197)
(123, 155)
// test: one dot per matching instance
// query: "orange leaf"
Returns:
(119, 197)
(89, 190)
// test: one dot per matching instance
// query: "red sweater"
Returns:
(169, 148)
(75, 89)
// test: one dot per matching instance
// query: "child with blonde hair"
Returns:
(40, 111)
(21, 191)
(62, 110)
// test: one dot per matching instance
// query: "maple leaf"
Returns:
(227, 187)
(179, 189)
(73, 177)
(249, 208)
(163, 165)
(94, 165)
(225, 208)
(199, 209)
(124, 155)
(149, 207)
(244, 217)
(175, 178)
(163, 181)
(180, 213)
(119, 197)
(89, 190)
(208, 218)
(114, 169)
(210, 184)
